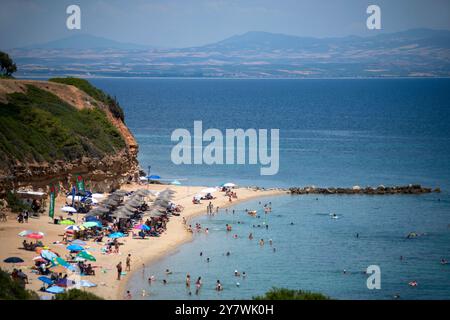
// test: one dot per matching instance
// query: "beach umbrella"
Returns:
(58, 269)
(13, 260)
(92, 219)
(47, 254)
(78, 242)
(86, 283)
(116, 235)
(24, 233)
(39, 259)
(34, 236)
(133, 204)
(120, 215)
(91, 224)
(68, 209)
(154, 177)
(45, 280)
(142, 227)
(228, 184)
(55, 290)
(208, 190)
(74, 247)
(61, 262)
(120, 192)
(72, 228)
(66, 222)
(86, 255)
(64, 283)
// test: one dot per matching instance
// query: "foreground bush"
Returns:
(76, 294)
(11, 290)
(288, 294)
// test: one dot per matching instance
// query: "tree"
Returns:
(7, 66)
(288, 294)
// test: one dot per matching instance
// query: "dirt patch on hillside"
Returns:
(66, 93)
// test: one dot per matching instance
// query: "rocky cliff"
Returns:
(51, 131)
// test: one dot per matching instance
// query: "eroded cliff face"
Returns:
(100, 174)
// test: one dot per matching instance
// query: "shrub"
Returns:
(288, 294)
(11, 290)
(77, 294)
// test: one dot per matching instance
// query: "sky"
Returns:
(184, 23)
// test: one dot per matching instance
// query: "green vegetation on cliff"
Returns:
(38, 126)
(288, 294)
(95, 93)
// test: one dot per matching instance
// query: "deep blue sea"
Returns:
(332, 133)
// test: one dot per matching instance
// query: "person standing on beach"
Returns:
(128, 262)
(119, 270)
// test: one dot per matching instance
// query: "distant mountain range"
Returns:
(412, 53)
(86, 41)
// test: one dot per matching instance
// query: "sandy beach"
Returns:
(143, 251)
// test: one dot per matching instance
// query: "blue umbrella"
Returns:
(13, 260)
(46, 254)
(92, 219)
(75, 247)
(86, 283)
(79, 242)
(176, 182)
(153, 177)
(55, 289)
(116, 235)
(46, 280)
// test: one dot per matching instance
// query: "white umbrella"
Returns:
(68, 209)
(98, 195)
(229, 184)
(209, 190)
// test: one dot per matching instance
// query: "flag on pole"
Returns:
(51, 212)
(80, 183)
(73, 196)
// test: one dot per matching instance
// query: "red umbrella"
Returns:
(35, 236)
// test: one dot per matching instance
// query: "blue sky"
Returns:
(180, 23)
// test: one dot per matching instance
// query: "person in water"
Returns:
(218, 286)
(261, 242)
(250, 236)
(188, 280)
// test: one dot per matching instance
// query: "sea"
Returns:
(332, 133)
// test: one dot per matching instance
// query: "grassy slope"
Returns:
(39, 126)
(95, 93)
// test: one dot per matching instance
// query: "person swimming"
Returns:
(261, 242)
(218, 286)
(168, 272)
(236, 273)
(250, 236)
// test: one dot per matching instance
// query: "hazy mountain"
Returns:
(412, 53)
(86, 41)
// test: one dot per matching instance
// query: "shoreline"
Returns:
(143, 252)
(188, 236)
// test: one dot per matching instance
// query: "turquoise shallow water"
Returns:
(332, 133)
